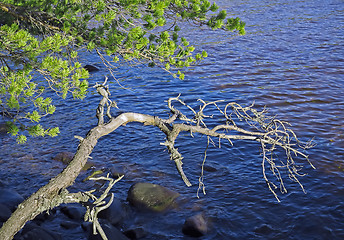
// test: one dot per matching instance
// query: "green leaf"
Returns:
(21, 139)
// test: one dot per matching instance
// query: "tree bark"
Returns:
(52, 194)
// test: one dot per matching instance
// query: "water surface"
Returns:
(291, 60)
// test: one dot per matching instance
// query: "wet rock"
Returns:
(3, 128)
(88, 165)
(76, 213)
(86, 226)
(209, 168)
(135, 233)
(111, 232)
(26, 157)
(263, 229)
(116, 172)
(2, 184)
(115, 213)
(152, 197)
(5, 213)
(35, 232)
(10, 198)
(91, 68)
(195, 226)
(64, 157)
(69, 224)
(45, 215)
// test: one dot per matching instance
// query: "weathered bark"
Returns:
(273, 133)
(53, 194)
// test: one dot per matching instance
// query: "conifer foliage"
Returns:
(41, 41)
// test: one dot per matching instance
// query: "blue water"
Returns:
(291, 60)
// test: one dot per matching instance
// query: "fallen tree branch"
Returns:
(268, 132)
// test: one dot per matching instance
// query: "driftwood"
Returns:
(269, 132)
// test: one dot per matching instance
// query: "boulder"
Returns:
(152, 197)
(111, 232)
(75, 213)
(5, 213)
(115, 213)
(10, 198)
(69, 224)
(135, 233)
(35, 232)
(45, 215)
(195, 226)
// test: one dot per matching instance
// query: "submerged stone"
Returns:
(64, 157)
(35, 232)
(111, 232)
(91, 68)
(195, 226)
(136, 233)
(10, 198)
(152, 197)
(115, 213)
(5, 212)
(76, 213)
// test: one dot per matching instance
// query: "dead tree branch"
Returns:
(271, 133)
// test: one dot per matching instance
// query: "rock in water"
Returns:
(75, 213)
(115, 213)
(64, 157)
(91, 68)
(136, 233)
(10, 198)
(195, 226)
(5, 213)
(152, 197)
(111, 233)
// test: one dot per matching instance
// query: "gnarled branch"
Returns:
(269, 132)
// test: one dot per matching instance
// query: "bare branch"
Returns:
(272, 134)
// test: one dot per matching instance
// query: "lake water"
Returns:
(291, 60)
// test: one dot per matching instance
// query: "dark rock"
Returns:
(64, 157)
(111, 232)
(3, 128)
(2, 184)
(263, 229)
(28, 227)
(91, 68)
(136, 233)
(86, 226)
(45, 216)
(39, 233)
(5, 212)
(26, 157)
(115, 213)
(116, 172)
(10, 198)
(153, 197)
(69, 224)
(195, 226)
(88, 165)
(208, 168)
(76, 213)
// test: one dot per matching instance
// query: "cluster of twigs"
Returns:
(99, 204)
(271, 133)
